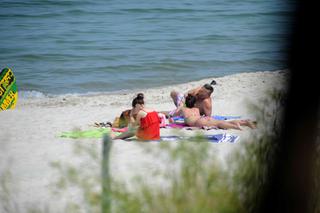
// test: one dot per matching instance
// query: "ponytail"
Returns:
(138, 100)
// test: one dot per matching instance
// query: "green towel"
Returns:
(92, 133)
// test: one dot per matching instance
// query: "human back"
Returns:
(149, 128)
(147, 120)
(190, 112)
(191, 115)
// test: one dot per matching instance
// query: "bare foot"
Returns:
(255, 123)
(238, 126)
(112, 135)
(205, 128)
(252, 124)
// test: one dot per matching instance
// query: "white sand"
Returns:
(29, 142)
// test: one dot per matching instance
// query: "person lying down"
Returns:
(193, 118)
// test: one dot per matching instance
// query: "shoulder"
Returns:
(147, 110)
(141, 114)
(184, 109)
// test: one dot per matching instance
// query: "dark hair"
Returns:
(138, 100)
(208, 87)
(213, 82)
(190, 101)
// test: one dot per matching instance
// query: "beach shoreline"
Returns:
(30, 142)
(34, 94)
(52, 98)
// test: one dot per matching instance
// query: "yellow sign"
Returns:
(8, 89)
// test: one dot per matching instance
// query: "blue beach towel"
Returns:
(218, 138)
(217, 117)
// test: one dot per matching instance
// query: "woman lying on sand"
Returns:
(192, 118)
(146, 125)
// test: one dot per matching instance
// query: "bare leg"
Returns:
(174, 96)
(247, 123)
(251, 124)
(227, 125)
(220, 124)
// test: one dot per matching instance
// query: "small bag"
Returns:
(124, 118)
(116, 122)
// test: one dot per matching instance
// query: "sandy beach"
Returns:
(29, 134)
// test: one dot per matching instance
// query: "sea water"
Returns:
(73, 46)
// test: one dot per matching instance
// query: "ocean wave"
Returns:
(30, 94)
(45, 3)
(33, 94)
(233, 15)
(163, 10)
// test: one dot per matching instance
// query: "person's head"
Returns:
(138, 102)
(205, 91)
(190, 101)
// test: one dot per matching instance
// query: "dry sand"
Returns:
(29, 142)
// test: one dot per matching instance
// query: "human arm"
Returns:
(132, 127)
(140, 115)
(178, 111)
(135, 116)
(207, 107)
(128, 134)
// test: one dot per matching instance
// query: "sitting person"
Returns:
(146, 125)
(193, 118)
(203, 99)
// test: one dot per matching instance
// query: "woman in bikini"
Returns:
(146, 125)
(192, 118)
